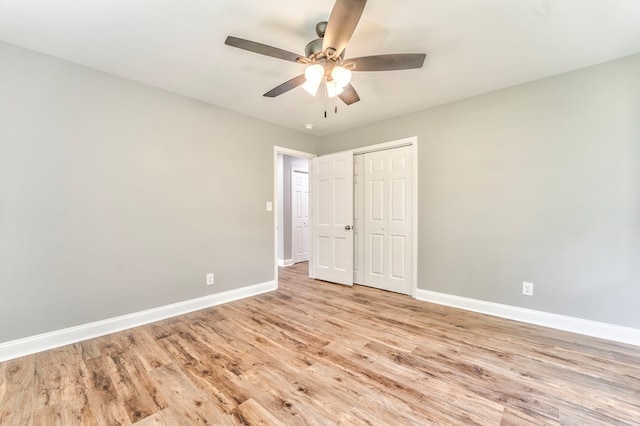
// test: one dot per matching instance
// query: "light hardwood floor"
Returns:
(319, 353)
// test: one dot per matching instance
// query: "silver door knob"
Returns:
(347, 227)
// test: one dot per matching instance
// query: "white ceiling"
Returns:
(472, 46)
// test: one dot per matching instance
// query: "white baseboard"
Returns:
(286, 262)
(54, 339)
(616, 333)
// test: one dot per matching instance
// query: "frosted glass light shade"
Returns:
(341, 75)
(333, 89)
(311, 86)
(314, 73)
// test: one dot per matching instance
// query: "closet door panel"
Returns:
(358, 219)
(388, 182)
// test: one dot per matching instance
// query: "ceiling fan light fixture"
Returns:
(312, 86)
(341, 75)
(314, 73)
(333, 89)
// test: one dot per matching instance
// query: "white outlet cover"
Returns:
(210, 279)
(527, 288)
(269, 206)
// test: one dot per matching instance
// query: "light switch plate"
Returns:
(269, 206)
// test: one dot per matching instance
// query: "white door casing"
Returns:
(332, 215)
(300, 226)
(388, 221)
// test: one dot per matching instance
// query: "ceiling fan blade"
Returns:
(286, 86)
(342, 23)
(349, 95)
(262, 49)
(398, 61)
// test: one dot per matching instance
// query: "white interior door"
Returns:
(358, 219)
(332, 236)
(299, 216)
(388, 181)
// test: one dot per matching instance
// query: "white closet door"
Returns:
(388, 180)
(358, 219)
(300, 225)
(332, 237)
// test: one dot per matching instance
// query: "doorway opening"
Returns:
(291, 218)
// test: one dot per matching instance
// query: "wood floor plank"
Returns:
(55, 378)
(451, 404)
(17, 388)
(135, 388)
(216, 381)
(60, 393)
(74, 412)
(387, 405)
(190, 404)
(140, 343)
(252, 413)
(515, 417)
(317, 353)
(284, 400)
(101, 393)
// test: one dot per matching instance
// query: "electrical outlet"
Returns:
(210, 279)
(527, 288)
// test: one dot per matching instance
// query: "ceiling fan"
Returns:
(325, 56)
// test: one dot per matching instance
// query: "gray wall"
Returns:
(539, 182)
(116, 197)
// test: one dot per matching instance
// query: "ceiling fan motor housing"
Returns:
(314, 48)
(321, 28)
(314, 51)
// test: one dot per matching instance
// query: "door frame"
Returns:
(276, 192)
(306, 172)
(413, 142)
(409, 141)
